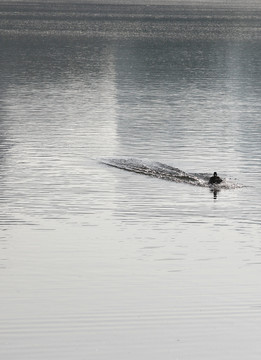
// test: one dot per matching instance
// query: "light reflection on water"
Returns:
(93, 256)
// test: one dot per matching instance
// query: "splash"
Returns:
(166, 172)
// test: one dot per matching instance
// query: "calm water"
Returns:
(101, 263)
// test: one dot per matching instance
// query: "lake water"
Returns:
(102, 263)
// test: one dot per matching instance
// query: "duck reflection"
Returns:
(215, 193)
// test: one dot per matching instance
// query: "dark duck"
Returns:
(215, 179)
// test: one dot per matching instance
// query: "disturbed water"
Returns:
(102, 263)
(166, 172)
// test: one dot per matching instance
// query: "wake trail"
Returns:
(165, 172)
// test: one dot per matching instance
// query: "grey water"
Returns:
(97, 262)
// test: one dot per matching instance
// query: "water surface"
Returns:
(98, 262)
